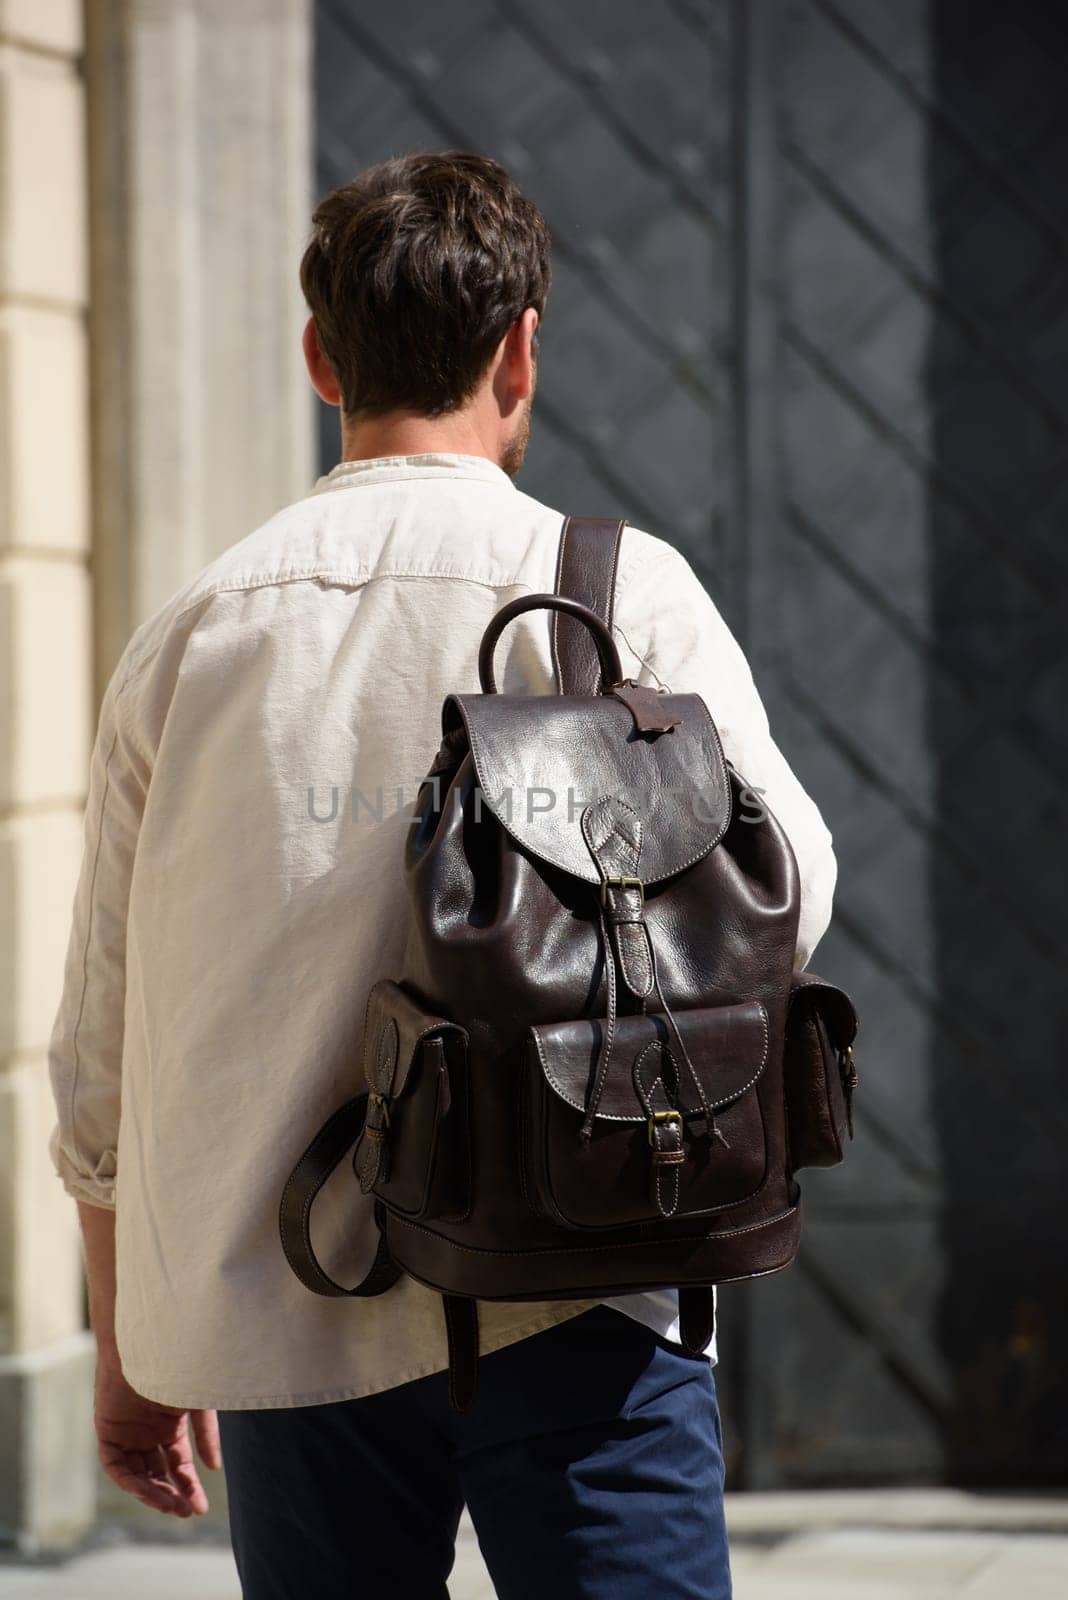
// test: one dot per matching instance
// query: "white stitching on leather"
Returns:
(478, 753)
(636, 1244)
(609, 1116)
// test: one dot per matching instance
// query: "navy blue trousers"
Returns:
(591, 1464)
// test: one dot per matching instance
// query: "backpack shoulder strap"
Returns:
(697, 1316)
(319, 1160)
(586, 565)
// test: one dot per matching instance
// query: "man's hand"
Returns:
(146, 1448)
(143, 1446)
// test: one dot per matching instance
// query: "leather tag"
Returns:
(646, 706)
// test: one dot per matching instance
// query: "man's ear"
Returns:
(529, 319)
(319, 369)
(525, 331)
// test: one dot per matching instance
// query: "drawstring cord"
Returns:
(709, 1115)
(608, 1035)
(601, 1072)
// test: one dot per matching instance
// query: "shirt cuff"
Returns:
(97, 1188)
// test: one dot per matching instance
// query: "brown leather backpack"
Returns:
(598, 1071)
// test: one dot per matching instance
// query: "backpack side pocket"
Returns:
(818, 1073)
(414, 1150)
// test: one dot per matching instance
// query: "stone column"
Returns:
(200, 150)
(46, 1441)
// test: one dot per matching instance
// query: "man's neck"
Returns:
(415, 436)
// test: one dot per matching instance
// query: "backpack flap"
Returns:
(651, 1154)
(540, 760)
(413, 1151)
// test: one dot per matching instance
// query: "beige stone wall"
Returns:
(155, 170)
(44, 626)
(45, 712)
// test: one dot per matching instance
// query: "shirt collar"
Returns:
(431, 464)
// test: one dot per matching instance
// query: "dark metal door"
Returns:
(807, 318)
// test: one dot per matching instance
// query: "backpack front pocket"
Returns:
(653, 1152)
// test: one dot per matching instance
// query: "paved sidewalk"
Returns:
(870, 1545)
(903, 1564)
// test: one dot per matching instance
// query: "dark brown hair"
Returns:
(415, 272)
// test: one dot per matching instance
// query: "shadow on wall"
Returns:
(998, 383)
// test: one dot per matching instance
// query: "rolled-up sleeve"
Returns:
(668, 623)
(85, 1051)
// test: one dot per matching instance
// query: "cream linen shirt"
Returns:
(231, 914)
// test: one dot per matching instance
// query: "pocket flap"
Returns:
(810, 994)
(727, 1045)
(395, 1026)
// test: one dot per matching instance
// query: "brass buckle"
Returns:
(664, 1116)
(622, 883)
(382, 1103)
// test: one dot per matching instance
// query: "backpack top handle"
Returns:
(611, 667)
